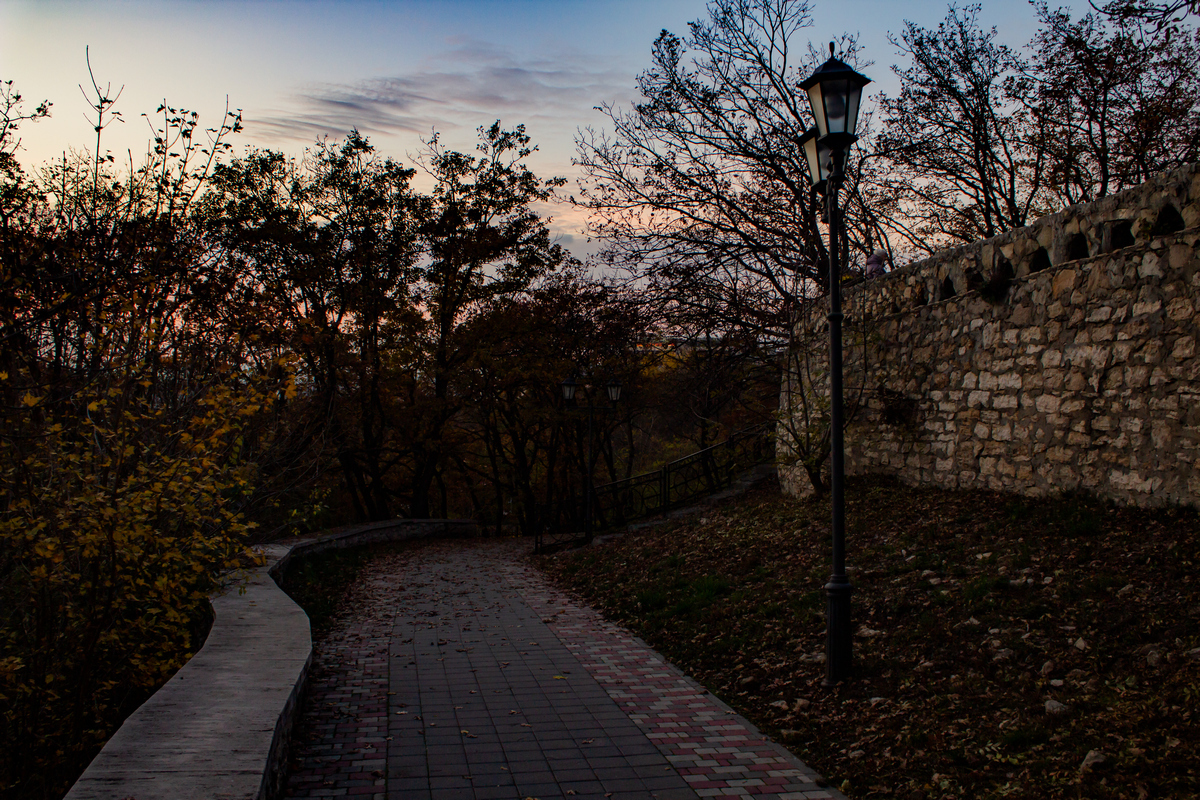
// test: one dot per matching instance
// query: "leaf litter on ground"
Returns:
(1005, 646)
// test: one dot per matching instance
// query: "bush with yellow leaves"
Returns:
(115, 526)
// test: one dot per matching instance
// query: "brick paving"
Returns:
(461, 673)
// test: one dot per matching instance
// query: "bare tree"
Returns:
(804, 403)
(1157, 14)
(1119, 97)
(959, 148)
(701, 190)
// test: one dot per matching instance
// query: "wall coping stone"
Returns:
(917, 283)
(221, 727)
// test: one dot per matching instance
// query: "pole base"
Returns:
(838, 644)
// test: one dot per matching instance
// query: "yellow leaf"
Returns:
(30, 400)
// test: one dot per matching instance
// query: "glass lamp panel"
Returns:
(614, 391)
(853, 100)
(568, 389)
(812, 155)
(834, 96)
(818, 108)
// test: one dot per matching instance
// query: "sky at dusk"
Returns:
(393, 69)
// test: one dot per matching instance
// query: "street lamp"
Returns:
(613, 390)
(568, 388)
(835, 93)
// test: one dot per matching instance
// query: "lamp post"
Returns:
(835, 93)
(613, 390)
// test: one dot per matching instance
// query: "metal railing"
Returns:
(695, 475)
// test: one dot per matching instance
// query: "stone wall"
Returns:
(1054, 357)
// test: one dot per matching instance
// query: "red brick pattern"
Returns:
(460, 672)
(719, 753)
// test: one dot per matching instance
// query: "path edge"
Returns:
(223, 724)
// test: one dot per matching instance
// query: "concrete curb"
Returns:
(221, 727)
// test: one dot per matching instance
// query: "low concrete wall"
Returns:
(222, 726)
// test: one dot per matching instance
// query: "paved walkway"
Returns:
(463, 674)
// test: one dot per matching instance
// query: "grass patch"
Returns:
(971, 609)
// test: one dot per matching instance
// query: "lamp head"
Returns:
(614, 391)
(835, 93)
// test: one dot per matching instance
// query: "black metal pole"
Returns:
(838, 644)
(591, 467)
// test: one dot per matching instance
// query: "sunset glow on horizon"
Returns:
(395, 70)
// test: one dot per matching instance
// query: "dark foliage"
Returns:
(972, 610)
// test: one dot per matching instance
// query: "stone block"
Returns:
(1161, 433)
(1072, 405)
(1180, 309)
(1093, 356)
(1142, 308)
(1047, 404)
(991, 335)
(1137, 377)
(1063, 283)
(1149, 266)
(1180, 255)
(1004, 401)
(1132, 482)
(1032, 334)
(1167, 403)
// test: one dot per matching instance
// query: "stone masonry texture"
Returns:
(1059, 356)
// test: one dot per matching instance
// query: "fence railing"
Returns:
(695, 475)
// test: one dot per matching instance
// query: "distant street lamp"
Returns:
(569, 389)
(835, 93)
